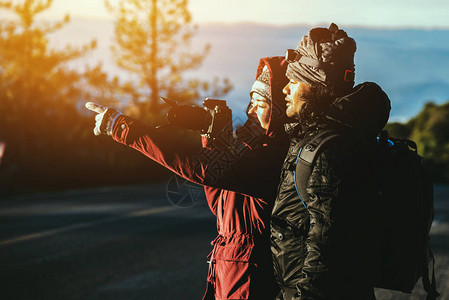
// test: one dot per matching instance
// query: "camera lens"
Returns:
(189, 117)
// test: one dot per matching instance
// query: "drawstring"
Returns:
(211, 285)
(211, 261)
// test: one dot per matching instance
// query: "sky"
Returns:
(367, 13)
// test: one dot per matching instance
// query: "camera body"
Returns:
(221, 117)
(213, 121)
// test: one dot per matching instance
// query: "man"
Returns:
(241, 196)
(321, 243)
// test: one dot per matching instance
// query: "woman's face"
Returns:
(261, 109)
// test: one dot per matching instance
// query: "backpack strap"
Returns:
(428, 284)
(307, 156)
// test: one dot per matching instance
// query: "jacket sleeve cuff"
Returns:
(120, 128)
(112, 122)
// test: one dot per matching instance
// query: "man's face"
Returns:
(294, 92)
(260, 108)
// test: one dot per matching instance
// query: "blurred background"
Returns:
(69, 201)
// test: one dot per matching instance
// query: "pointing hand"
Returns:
(103, 119)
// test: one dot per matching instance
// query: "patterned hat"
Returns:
(262, 85)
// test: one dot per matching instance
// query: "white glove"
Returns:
(104, 120)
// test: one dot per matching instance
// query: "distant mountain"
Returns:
(409, 99)
(411, 65)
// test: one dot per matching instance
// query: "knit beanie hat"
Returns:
(262, 84)
(325, 56)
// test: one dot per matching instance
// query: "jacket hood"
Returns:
(365, 110)
(277, 66)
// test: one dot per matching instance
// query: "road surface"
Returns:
(112, 243)
(129, 243)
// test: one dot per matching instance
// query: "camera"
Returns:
(212, 121)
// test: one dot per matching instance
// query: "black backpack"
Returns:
(404, 253)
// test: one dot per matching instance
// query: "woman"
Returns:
(241, 195)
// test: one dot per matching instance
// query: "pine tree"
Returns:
(32, 82)
(40, 96)
(152, 41)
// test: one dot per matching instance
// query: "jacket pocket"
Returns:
(234, 252)
(288, 250)
(233, 269)
(233, 279)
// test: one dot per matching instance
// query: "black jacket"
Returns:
(323, 251)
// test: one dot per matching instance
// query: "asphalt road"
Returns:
(113, 243)
(131, 243)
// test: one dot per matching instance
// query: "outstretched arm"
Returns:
(243, 171)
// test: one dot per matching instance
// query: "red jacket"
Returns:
(240, 189)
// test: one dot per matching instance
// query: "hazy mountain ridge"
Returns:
(412, 65)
